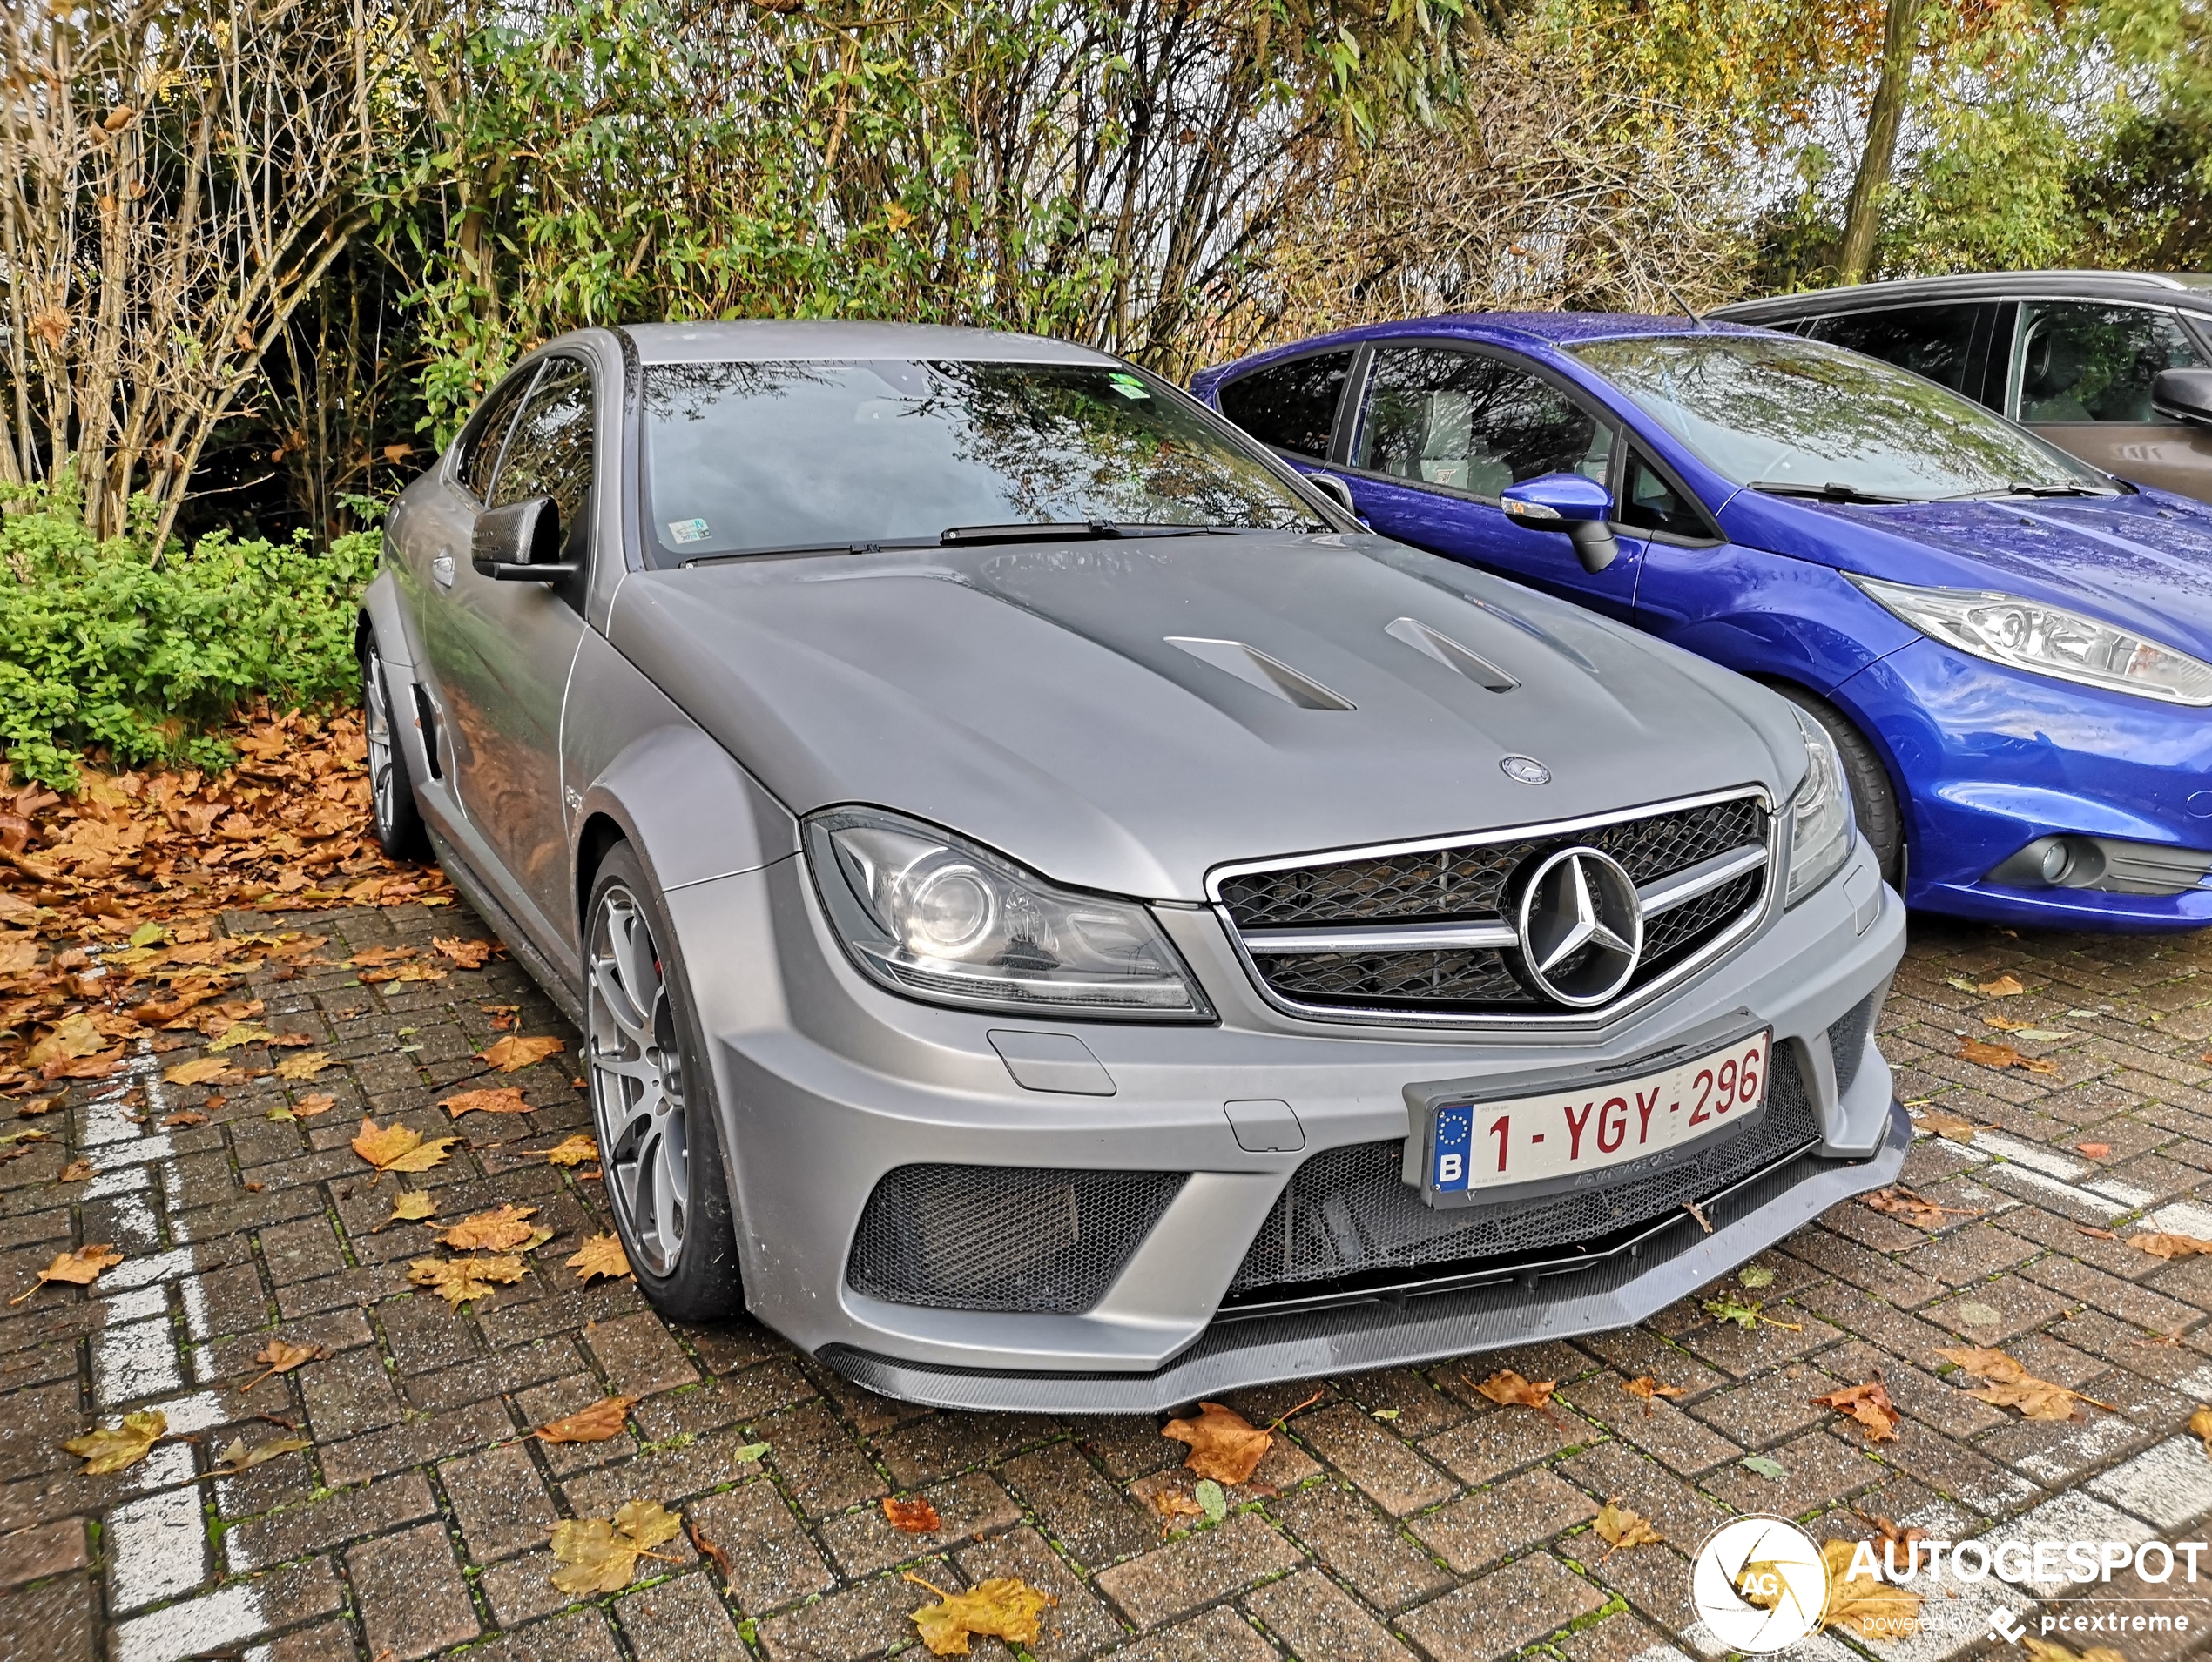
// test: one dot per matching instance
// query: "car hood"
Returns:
(2143, 561)
(1035, 698)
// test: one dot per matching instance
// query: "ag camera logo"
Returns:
(1759, 1583)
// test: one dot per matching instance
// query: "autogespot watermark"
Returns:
(1762, 1585)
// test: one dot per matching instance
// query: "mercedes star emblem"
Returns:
(1582, 927)
(1525, 769)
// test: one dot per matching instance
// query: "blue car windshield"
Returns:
(1804, 419)
(753, 458)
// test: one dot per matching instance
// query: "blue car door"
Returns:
(1442, 429)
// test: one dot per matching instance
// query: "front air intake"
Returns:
(1003, 1238)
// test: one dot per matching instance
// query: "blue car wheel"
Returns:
(1873, 796)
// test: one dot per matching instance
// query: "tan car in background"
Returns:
(2115, 367)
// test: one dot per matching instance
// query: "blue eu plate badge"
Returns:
(1454, 1132)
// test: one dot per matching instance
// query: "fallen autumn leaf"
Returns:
(79, 1268)
(2010, 1385)
(458, 1281)
(1621, 1527)
(601, 1256)
(1002, 1607)
(281, 1356)
(504, 1228)
(1869, 1404)
(597, 1423)
(514, 1053)
(397, 1147)
(501, 1099)
(1224, 1445)
(914, 1515)
(600, 1555)
(106, 1450)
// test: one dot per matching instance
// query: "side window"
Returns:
(2080, 360)
(550, 452)
(1649, 503)
(1932, 340)
(1443, 417)
(1291, 407)
(482, 453)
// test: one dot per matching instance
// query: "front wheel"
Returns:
(652, 1102)
(391, 787)
(1873, 798)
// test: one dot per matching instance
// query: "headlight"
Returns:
(936, 917)
(2028, 634)
(1821, 827)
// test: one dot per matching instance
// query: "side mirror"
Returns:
(1335, 490)
(2183, 395)
(1577, 508)
(520, 542)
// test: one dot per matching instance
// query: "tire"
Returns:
(1873, 798)
(653, 1104)
(391, 784)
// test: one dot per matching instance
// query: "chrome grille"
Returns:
(1285, 912)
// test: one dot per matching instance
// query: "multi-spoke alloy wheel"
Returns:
(637, 1083)
(377, 710)
(399, 823)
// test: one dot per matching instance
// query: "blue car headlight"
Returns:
(931, 915)
(1822, 830)
(2047, 640)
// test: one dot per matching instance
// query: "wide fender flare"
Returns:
(702, 828)
(685, 807)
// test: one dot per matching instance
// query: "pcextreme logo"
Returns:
(1759, 1583)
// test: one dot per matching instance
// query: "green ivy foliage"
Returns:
(105, 646)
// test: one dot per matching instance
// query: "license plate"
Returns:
(1565, 1139)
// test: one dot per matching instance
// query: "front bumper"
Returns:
(1259, 1350)
(1993, 759)
(826, 1083)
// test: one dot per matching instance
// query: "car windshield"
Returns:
(1800, 418)
(754, 458)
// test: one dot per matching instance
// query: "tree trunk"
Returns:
(1900, 43)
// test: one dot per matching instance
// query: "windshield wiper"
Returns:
(1068, 531)
(2019, 487)
(1828, 493)
(870, 546)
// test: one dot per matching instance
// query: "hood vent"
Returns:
(1449, 653)
(1256, 669)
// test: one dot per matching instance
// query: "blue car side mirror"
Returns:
(1579, 508)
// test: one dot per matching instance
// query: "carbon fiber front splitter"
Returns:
(1235, 1352)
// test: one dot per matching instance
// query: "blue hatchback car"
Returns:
(2012, 650)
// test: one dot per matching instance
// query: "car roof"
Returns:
(2190, 289)
(779, 341)
(1512, 329)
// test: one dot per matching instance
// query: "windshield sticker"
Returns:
(1129, 385)
(688, 530)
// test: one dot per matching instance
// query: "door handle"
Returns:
(441, 571)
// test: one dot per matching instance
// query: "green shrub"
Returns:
(103, 646)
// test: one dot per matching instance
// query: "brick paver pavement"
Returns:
(1402, 1515)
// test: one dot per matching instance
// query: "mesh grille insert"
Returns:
(1347, 1214)
(1476, 886)
(1847, 1039)
(1003, 1238)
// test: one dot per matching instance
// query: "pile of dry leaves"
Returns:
(108, 896)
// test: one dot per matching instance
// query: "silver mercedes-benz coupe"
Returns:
(1064, 917)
